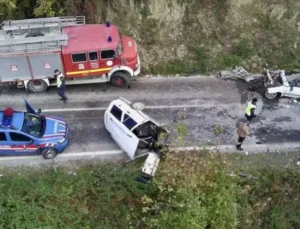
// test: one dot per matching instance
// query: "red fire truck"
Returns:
(31, 49)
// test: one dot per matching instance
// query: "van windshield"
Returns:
(34, 125)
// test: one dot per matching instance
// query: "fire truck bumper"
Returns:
(137, 71)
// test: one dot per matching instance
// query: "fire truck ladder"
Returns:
(33, 43)
(27, 24)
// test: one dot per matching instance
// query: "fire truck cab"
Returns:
(31, 49)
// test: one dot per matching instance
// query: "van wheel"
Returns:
(37, 86)
(270, 96)
(49, 153)
(120, 79)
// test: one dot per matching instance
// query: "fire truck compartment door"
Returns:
(14, 68)
(44, 65)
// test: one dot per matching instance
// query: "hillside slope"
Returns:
(178, 36)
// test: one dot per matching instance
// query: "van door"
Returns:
(293, 91)
(133, 140)
(119, 131)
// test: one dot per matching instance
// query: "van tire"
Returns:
(37, 86)
(271, 96)
(120, 79)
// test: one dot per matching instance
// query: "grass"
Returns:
(196, 190)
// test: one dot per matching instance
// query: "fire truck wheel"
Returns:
(37, 86)
(119, 79)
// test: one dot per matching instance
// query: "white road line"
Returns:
(196, 76)
(253, 148)
(147, 107)
(65, 155)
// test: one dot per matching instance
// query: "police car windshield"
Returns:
(33, 125)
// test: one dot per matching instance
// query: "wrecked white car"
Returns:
(133, 130)
(281, 85)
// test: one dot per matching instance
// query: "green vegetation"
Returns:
(195, 190)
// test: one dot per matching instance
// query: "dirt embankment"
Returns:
(183, 35)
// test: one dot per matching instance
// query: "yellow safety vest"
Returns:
(249, 107)
(58, 80)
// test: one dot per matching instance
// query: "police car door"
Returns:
(5, 148)
(22, 144)
(29, 108)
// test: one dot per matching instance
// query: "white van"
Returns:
(132, 129)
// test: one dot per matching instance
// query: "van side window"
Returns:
(129, 122)
(19, 137)
(2, 137)
(107, 54)
(80, 57)
(93, 56)
(116, 112)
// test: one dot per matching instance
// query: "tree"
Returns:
(49, 8)
(7, 9)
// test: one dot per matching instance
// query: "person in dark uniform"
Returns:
(61, 85)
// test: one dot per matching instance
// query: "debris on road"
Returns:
(238, 73)
(272, 83)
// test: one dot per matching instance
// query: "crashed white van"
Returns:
(282, 85)
(132, 129)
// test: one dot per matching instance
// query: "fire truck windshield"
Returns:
(33, 125)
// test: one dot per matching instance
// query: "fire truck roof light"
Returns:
(107, 24)
(109, 39)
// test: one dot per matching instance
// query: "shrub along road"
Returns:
(202, 110)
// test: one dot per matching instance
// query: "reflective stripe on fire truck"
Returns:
(88, 71)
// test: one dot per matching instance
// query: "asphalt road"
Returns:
(200, 104)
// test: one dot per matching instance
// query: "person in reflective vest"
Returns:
(250, 109)
(61, 86)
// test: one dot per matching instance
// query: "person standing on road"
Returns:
(243, 132)
(250, 109)
(61, 85)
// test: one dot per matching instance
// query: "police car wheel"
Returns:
(119, 79)
(49, 153)
(37, 86)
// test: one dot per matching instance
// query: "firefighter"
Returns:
(250, 109)
(61, 86)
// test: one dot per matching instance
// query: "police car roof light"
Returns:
(7, 116)
(109, 39)
(107, 24)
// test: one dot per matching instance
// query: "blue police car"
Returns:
(24, 133)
